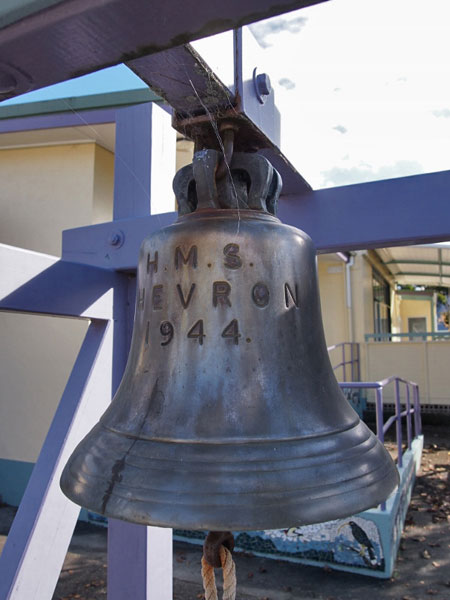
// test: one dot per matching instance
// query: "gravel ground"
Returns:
(422, 569)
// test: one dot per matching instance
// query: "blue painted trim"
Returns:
(92, 102)
(387, 337)
(66, 119)
(14, 476)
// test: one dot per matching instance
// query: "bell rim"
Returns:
(202, 508)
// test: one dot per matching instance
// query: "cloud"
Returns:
(342, 176)
(276, 25)
(286, 83)
(442, 112)
(341, 128)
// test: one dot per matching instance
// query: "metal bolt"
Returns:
(263, 87)
(116, 238)
(263, 83)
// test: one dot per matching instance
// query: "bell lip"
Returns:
(232, 213)
(319, 500)
(284, 516)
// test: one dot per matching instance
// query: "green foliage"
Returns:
(442, 298)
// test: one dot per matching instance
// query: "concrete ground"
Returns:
(422, 570)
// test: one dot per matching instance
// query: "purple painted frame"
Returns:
(354, 361)
(64, 119)
(385, 213)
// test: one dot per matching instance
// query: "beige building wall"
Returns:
(346, 316)
(36, 357)
(103, 185)
(333, 299)
(44, 190)
(48, 189)
(425, 363)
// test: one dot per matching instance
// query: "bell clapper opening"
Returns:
(217, 550)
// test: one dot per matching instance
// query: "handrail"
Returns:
(354, 359)
(424, 335)
(383, 427)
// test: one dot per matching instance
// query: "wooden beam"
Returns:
(69, 38)
(187, 83)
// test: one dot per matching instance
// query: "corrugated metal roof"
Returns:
(419, 265)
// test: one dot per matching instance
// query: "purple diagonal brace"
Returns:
(40, 535)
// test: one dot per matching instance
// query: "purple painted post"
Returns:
(358, 373)
(132, 161)
(352, 364)
(380, 422)
(408, 416)
(139, 557)
(417, 417)
(398, 422)
(379, 413)
(127, 579)
(344, 366)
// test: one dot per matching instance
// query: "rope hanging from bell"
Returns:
(217, 551)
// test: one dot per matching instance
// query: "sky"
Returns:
(363, 88)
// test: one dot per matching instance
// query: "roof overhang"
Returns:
(418, 265)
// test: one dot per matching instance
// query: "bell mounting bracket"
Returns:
(250, 182)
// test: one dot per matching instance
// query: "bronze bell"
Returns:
(229, 415)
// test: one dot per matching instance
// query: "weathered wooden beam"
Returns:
(50, 41)
(184, 80)
(201, 101)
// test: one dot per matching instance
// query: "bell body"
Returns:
(228, 416)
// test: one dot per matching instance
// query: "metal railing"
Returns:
(421, 336)
(412, 409)
(349, 356)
